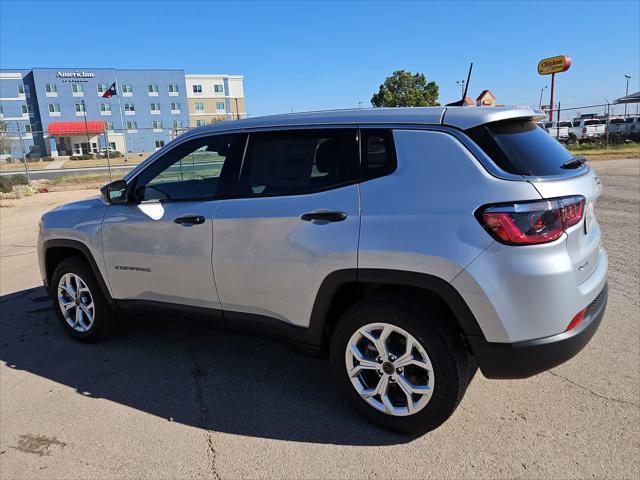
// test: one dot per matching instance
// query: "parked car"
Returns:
(558, 130)
(411, 244)
(617, 129)
(633, 128)
(587, 130)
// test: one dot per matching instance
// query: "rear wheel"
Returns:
(79, 301)
(400, 364)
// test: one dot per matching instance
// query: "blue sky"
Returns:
(319, 55)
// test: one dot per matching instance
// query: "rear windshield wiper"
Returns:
(575, 162)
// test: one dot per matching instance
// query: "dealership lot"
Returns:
(168, 399)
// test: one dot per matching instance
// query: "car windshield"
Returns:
(519, 147)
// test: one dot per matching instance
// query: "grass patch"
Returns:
(602, 148)
(77, 180)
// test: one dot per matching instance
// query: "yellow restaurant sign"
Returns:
(561, 63)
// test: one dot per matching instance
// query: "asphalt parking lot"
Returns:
(168, 399)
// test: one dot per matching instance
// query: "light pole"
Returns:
(541, 92)
(86, 127)
(626, 95)
(461, 84)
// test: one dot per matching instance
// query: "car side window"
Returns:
(295, 162)
(378, 153)
(197, 169)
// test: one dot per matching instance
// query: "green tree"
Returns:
(403, 89)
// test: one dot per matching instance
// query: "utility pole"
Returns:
(24, 155)
(540, 102)
(86, 126)
(626, 95)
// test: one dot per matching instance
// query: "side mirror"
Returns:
(115, 192)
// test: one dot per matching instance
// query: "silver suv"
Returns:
(411, 244)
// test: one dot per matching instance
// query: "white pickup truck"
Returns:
(558, 130)
(587, 130)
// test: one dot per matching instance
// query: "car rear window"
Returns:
(591, 122)
(616, 120)
(519, 147)
(565, 124)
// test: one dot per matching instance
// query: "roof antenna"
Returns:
(460, 103)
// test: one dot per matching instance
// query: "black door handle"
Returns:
(326, 216)
(190, 220)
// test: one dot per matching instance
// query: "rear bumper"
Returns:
(528, 358)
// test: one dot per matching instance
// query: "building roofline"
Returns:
(212, 75)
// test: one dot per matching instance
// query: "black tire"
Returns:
(453, 366)
(103, 320)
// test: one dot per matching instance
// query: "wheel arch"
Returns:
(343, 288)
(57, 250)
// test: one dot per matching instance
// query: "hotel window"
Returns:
(197, 89)
(152, 88)
(34, 149)
(20, 89)
(126, 88)
(109, 125)
(28, 128)
(159, 143)
(175, 106)
(177, 124)
(155, 107)
(129, 107)
(79, 107)
(132, 125)
(76, 88)
(54, 108)
(50, 88)
(219, 105)
(112, 146)
(157, 124)
(1, 110)
(102, 87)
(200, 123)
(218, 88)
(173, 88)
(105, 107)
(27, 109)
(199, 107)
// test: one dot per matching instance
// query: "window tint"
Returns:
(564, 124)
(592, 122)
(629, 120)
(200, 168)
(378, 153)
(298, 161)
(576, 123)
(616, 120)
(519, 147)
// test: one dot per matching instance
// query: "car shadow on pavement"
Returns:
(188, 373)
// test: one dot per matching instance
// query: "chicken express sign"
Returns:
(551, 65)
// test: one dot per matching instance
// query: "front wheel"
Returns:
(79, 302)
(401, 365)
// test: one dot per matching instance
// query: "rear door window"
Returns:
(296, 162)
(521, 148)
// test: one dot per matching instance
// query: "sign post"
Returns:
(551, 66)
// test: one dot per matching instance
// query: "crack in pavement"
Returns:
(197, 373)
(595, 394)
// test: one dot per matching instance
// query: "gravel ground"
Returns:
(168, 399)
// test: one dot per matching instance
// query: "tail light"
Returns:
(529, 223)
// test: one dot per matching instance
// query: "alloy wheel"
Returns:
(76, 302)
(389, 369)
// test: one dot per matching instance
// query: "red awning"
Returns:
(76, 128)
